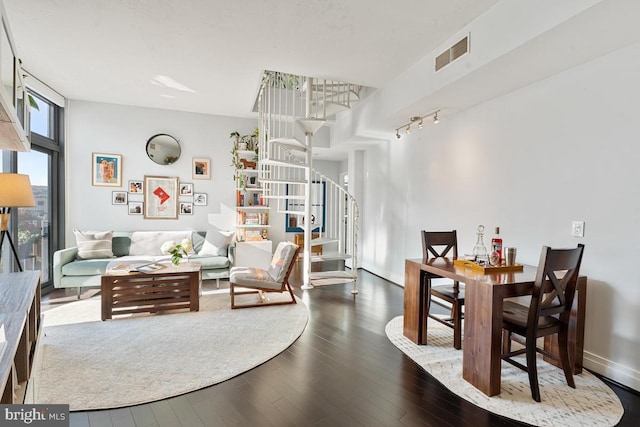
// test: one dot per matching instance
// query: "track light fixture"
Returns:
(419, 120)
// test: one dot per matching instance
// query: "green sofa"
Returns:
(213, 249)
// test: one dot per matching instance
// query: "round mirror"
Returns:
(163, 149)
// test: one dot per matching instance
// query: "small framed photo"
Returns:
(118, 197)
(106, 170)
(136, 187)
(186, 189)
(135, 208)
(200, 199)
(252, 181)
(186, 208)
(201, 168)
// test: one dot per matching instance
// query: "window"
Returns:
(39, 231)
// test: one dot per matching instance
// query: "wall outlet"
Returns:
(577, 228)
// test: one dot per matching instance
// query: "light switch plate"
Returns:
(577, 228)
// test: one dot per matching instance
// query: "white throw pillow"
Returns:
(94, 244)
(216, 243)
(148, 243)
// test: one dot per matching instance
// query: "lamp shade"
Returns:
(15, 191)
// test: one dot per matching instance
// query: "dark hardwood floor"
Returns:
(342, 371)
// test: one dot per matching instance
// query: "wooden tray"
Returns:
(463, 263)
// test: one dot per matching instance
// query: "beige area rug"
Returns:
(591, 403)
(91, 364)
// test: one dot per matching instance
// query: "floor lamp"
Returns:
(15, 192)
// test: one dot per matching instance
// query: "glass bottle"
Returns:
(496, 248)
(480, 250)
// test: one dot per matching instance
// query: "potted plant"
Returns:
(235, 161)
(256, 142)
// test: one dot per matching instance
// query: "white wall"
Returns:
(563, 149)
(116, 129)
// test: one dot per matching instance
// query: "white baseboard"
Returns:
(619, 373)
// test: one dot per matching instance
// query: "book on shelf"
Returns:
(253, 235)
(251, 218)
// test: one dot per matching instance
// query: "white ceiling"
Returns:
(132, 51)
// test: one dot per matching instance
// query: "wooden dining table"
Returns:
(484, 296)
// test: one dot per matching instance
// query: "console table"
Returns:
(20, 318)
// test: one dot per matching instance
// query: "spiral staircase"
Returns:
(292, 109)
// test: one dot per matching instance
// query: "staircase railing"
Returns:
(291, 109)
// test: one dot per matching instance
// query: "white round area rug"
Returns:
(591, 403)
(93, 364)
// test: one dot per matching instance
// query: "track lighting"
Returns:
(419, 120)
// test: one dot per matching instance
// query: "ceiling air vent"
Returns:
(453, 53)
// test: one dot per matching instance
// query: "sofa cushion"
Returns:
(211, 262)
(121, 243)
(253, 277)
(86, 267)
(216, 243)
(197, 238)
(94, 244)
(149, 242)
(281, 260)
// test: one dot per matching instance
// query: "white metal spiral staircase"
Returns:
(291, 110)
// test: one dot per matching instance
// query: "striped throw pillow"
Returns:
(94, 244)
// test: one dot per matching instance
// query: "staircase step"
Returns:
(283, 181)
(334, 90)
(330, 257)
(292, 212)
(310, 125)
(332, 108)
(323, 241)
(338, 274)
(290, 142)
(273, 162)
(283, 197)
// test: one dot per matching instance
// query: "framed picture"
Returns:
(186, 208)
(135, 208)
(161, 197)
(106, 169)
(201, 168)
(118, 197)
(186, 189)
(136, 187)
(200, 199)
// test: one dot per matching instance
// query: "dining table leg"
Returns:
(481, 362)
(415, 304)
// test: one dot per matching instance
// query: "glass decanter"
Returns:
(480, 250)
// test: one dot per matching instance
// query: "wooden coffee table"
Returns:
(169, 288)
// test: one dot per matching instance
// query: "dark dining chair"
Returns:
(547, 314)
(436, 244)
